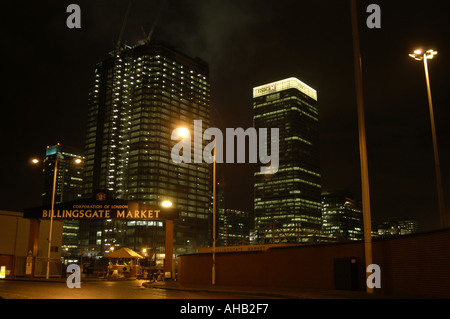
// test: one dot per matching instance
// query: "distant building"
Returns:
(235, 229)
(290, 199)
(393, 226)
(342, 216)
(233, 226)
(69, 183)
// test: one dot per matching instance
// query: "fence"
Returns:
(40, 267)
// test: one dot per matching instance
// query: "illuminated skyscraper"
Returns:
(140, 95)
(69, 179)
(342, 216)
(290, 199)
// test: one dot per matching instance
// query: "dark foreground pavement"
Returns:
(176, 300)
(220, 291)
(277, 292)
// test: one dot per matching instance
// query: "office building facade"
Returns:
(342, 216)
(290, 199)
(139, 97)
(233, 225)
(394, 226)
(69, 179)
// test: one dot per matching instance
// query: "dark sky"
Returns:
(47, 70)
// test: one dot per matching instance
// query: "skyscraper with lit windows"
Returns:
(289, 200)
(341, 216)
(139, 96)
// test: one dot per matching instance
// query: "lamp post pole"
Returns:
(55, 176)
(362, 141)
(55, 173)
(420, 55)
(435, 147)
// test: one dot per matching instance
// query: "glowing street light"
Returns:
(166, 204)
(419, 55)
(183, 132)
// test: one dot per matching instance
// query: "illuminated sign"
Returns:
(138, 212)
(102, 208)
(290, 83)
(2, 272)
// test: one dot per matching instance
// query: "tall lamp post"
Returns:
(362, 140)
(55, 174)
(421, 55)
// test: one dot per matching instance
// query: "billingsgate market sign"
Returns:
(102, 207)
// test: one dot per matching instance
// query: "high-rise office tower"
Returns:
(233, 226)
(69, 179)
(236, 227)
(140, 95)
(290, 199)
(68, 187)
(341, 216)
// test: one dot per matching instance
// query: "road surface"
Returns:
(126, 289)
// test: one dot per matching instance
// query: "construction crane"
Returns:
(127, 13)
(148, 37)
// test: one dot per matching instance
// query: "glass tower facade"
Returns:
(139, 96)
(342, 216)
(68, 187)
(69, 179)
(288, 203)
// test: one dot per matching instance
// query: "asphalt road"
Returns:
(14, 289)
(30, 298)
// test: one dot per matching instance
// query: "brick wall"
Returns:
(414, 264)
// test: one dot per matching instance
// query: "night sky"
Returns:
(47, 70)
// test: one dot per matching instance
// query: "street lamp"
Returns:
(55, 174)
(166, 204)
(182, 132)
(420, 55)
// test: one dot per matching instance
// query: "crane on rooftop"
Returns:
(127, 13)
(148, 37)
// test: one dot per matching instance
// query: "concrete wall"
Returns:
(19, 236)
(414, 264)
(44, 231)
(14, 231)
